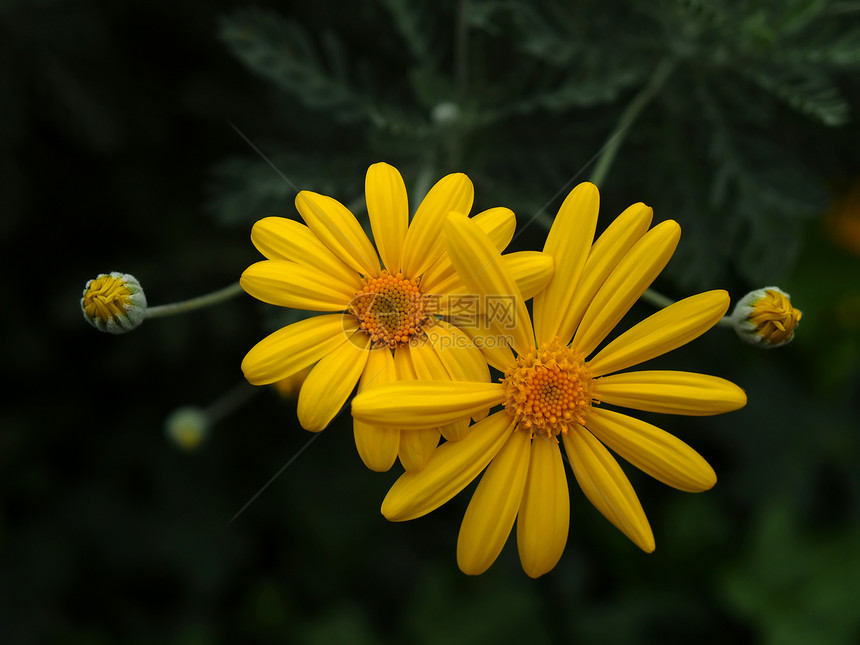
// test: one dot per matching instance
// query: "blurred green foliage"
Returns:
(147, 137)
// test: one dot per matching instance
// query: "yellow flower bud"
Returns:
(114, 302)
(765, 317)
(187, 428)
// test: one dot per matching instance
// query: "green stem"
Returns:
(195, 303)
(610, 149)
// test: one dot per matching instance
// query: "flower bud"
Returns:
(114, 302)
(765, 317)
(187, 427)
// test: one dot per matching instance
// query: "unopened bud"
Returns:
(765, 317)
(187, 427)
(114, 302)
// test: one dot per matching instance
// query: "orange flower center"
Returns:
(391, 309)
(548, 390)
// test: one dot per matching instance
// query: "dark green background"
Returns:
(117, 153)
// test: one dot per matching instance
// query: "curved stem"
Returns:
(209, 299)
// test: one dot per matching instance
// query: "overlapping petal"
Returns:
(544, 519)
(388, 210)
(670, 392)
(279, 238)
(479, 265)
(531, 270)
(636, 270)
(330, 382)
(607, 487)
(338, 229)
(668, 329)
(425, 404)
(429, 366)
(377, 445)
(493, 507)
(288, 284)
(567, 243)
(423, 244)
(295, 347)
(652, 450)
(453, 466)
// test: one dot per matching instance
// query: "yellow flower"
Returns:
(390, 321)
(555, 387)
(765, 317)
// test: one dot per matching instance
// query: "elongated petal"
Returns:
(338, 229)
(670, 392)
(607, 487)
(423, 244)
(461, 358)
(662, 332)
(295, 347)
(652, 450)
(388, 209)
(453, 466)
(288, 284)
(493, 348)
(493, 508)
(330, 382)
(429, 367)
(531, 270)
(424, 404)
(625, 284)
(498, 223)
(377, 445)
(417, 447)
(568, 243)
(618, 238)
(279, 238)
(544, 519)
(481, 268)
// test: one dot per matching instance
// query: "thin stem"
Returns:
(661, 73)
(209, 299)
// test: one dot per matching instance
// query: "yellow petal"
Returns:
(607, 487)
(377, 445)
(330, 383)
(462, 360)
(493, 508)
(288, 284)
(429, 367)
(481, 268)
(567, 244)
(495, 351)
(636, 270)
(279, 238)
(652, 450)
(388, 209)
(424, 404)
(668, 329)
(531, 270)
(423, 244)
(498, 223)
(670, 392)
(453, 466)
(338, 229)
(544, 518)
(417, 447)
(295, 347)
(618, 238)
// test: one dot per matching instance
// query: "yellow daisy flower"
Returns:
(555, 387)
(390, 321)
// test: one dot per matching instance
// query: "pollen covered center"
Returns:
(391, 309)
(106, 298)
(548, 390)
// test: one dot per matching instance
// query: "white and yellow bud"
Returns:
(765, 317)
(187, 427)
(114, 302)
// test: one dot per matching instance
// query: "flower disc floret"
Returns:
(548, 390)
(391, 309)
